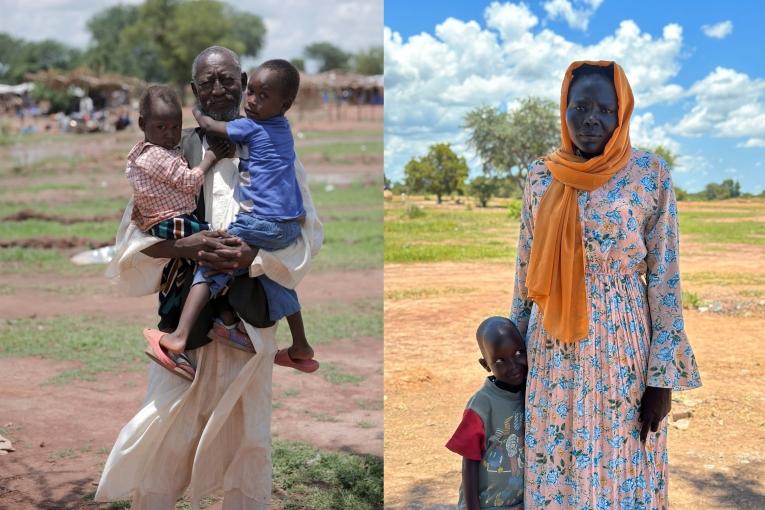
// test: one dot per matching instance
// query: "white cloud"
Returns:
(432, 80)
(727, 104)
(292, 24)
(644, 133)
(718, 30)
(752, 142)
(577, 13)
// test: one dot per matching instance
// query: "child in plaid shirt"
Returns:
(165, 193)
(271, 205)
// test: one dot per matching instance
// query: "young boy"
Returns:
(490, 437)
(165, 193)
(271, 204)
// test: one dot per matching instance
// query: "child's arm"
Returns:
(470, 483)
(209, 124)
(219, 149)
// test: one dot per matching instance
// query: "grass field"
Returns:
(78, 178)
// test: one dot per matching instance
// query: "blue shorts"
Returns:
(269, 235)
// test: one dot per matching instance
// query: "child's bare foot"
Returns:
(172, 342)
(300, 350)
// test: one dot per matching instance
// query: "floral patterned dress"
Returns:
(583, 448)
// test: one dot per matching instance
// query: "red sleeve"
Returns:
(469, 440)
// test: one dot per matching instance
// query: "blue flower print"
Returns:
(531, 441)
(662, 337)
(643, 162)
(562, 410)
(627, 485)
(552, 476)
(603, 503)
(674, 281)
(635, 199)
(649, 183)
(666, 184)
(615, 217)
(669, 256)
(669, 300)
(666, 354)
(678, 324)
(632, 224)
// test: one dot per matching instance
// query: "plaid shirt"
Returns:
(163, 184)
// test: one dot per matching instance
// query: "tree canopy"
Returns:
(330, 57)
(440, 172)
(507, 142)
(19, 57)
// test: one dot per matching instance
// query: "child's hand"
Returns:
(197, 112)
(221, 147)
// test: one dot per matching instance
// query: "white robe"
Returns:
(214, 433)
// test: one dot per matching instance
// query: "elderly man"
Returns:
(213, 433)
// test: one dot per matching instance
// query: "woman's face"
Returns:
(591, 114)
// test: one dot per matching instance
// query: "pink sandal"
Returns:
(304, 365)
(157, 353)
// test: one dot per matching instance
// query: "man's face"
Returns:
(163, 126)
(264, 98)
(218, 87)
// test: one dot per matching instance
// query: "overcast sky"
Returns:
(292, 24)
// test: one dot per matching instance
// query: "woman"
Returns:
(597, 295)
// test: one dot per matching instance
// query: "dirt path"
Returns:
(431, 311)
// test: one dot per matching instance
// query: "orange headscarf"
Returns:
(556, 268)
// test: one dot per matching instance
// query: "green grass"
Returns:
(33, 188)
(338, 149)
(333, 375)
(99, 231)
(706, 227)
(448, 234)
(353, 231)
(724, 278)
(426, 292)
(308, 478)
(342, 133)
(37, 260)
(99, 345)
(337, 321)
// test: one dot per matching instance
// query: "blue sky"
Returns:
(698, 74)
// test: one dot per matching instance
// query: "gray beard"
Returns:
(227, 115)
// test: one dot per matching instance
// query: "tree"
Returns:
(440, 172)
(726, 189)
(19, 57)
(369, 62)
(299, 63)
(483, 188)
(330, 56)
(507, 142)
(666, 154)
(158, 40)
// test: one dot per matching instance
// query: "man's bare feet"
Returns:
(173, 342)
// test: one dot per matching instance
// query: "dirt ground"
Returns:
(717, 457)
(62, 433)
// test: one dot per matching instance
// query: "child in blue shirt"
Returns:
(271, 205)
(490, 437)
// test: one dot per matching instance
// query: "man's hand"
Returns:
(221, 147)
(190, 247)
(654, 406)
(228, 258)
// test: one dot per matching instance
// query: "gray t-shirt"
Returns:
(492, 431)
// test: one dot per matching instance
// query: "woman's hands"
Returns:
(654, 407)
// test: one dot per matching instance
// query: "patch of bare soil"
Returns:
(62, 434)
(431, 312)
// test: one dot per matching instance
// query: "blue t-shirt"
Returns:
(268, 186)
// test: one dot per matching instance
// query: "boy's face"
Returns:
(505, 358)
(264, 98)
(163, 126)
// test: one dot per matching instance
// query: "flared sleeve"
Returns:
(520, 310)
(671, 361)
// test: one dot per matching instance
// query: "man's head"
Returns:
(160, 116)
(503, 350)
(271, 90)
(217, 81)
